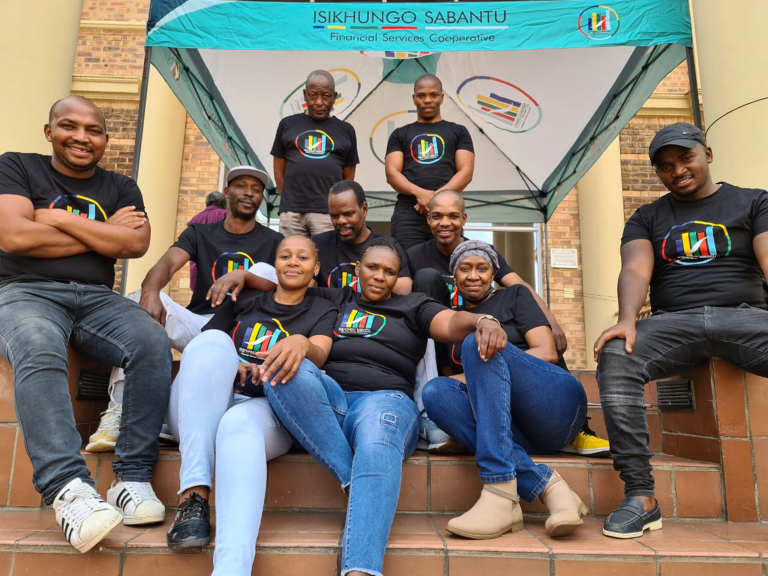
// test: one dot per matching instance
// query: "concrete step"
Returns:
(308, 544)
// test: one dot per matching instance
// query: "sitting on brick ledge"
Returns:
(701, 249)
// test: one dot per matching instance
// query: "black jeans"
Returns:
(409, 227)
(669, 343)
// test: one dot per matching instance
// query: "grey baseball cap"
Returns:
(679, 134)
(237, 171)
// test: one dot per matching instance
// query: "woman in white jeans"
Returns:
(218, 413)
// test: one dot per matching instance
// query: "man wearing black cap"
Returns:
(701, 249)
(236, 243)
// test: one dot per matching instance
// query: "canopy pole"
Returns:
(694, 86)
(137, 140)
(546, 258)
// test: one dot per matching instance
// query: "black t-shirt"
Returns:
(316, 154)
(216, 252)
(96, 198)
(377, 346)
(426, 255)
(429, 152)
(516, 310)
(338, 260)
(703, 252)
(256, 322)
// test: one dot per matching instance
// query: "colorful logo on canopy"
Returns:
(80, 206)
(427, 148)
(500, 103)
(599, 22)
(344, 275)
(456, 300)
(356, 322)
(383, 129)
(315, 144)
(175, 69)
(696, 243)
(229, 261)
(257, 335)
(388, 55)
(348, 87)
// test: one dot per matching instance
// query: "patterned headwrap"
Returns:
(474, 248)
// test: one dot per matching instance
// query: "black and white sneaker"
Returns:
(136, 502)
(192, 525)
(83, 516)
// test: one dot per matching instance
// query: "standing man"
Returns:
(340, 249)
(65, 222)
(236, 243)
(701, 249)
(312, 151)
(423, 158)
(215, 211)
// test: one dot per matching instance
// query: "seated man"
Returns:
(236, 243)
(340, 248)
(65, 223)
(701, 248)
(215, 211)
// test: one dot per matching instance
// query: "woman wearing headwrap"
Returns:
(516, 403)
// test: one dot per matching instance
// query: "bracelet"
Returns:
(487, 317)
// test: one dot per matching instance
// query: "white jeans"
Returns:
(239, 433)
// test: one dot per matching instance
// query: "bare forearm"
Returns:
(107, 239)
(157, 277)
(47, 242)
(316, 355)
(402, 185)
(459, 325)
(459, 181)
(633, 290)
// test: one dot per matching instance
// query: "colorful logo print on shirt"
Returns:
(427, 148)
(456, 299)
(599, 22)
(80, 206)
(383, 129)
(499, 103)
(696, 242)
(229, 261)
(391, 55)
(257, 335)
(344, 275)
(356, 322)
(315, 144)
(347, 87)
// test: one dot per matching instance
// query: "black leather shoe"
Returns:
(192, 525)
(630, 520)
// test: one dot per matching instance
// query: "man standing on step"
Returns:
(423, 158)
(340, 249)
(238, 242)
(65, 222)
(701, 249)
(312, 151)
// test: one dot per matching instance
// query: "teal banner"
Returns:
(405, 30)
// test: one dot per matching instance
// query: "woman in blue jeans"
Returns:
(357, 417)
(504, 408)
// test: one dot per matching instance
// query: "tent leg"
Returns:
(694, 86)
(546, 259)
(138, 139)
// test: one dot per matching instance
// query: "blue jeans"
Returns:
(669, 343)
(361, 438)
(512, 405)
(37, 319)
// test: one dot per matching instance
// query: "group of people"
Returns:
(292, 342)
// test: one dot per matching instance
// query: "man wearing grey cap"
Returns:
(701, 249)
(238, 242)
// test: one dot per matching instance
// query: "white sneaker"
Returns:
(105, 437)
(137, 503)
(83, 516)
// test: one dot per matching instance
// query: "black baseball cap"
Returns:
(679, 134)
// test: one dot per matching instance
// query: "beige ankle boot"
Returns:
(495, 513)
(564, 505)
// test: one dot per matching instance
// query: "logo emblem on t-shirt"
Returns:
(356, 322)
(315, 144)
(499, 103)
(229, 261)
(427, 148)
(257, 335)
(453, 290)
(80, 206)
(344, 275)
(696, 242)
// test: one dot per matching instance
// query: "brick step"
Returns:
(308, 543)
(430, 483)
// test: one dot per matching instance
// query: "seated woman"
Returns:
(215, 411)
(506, 407)
(357, 418)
